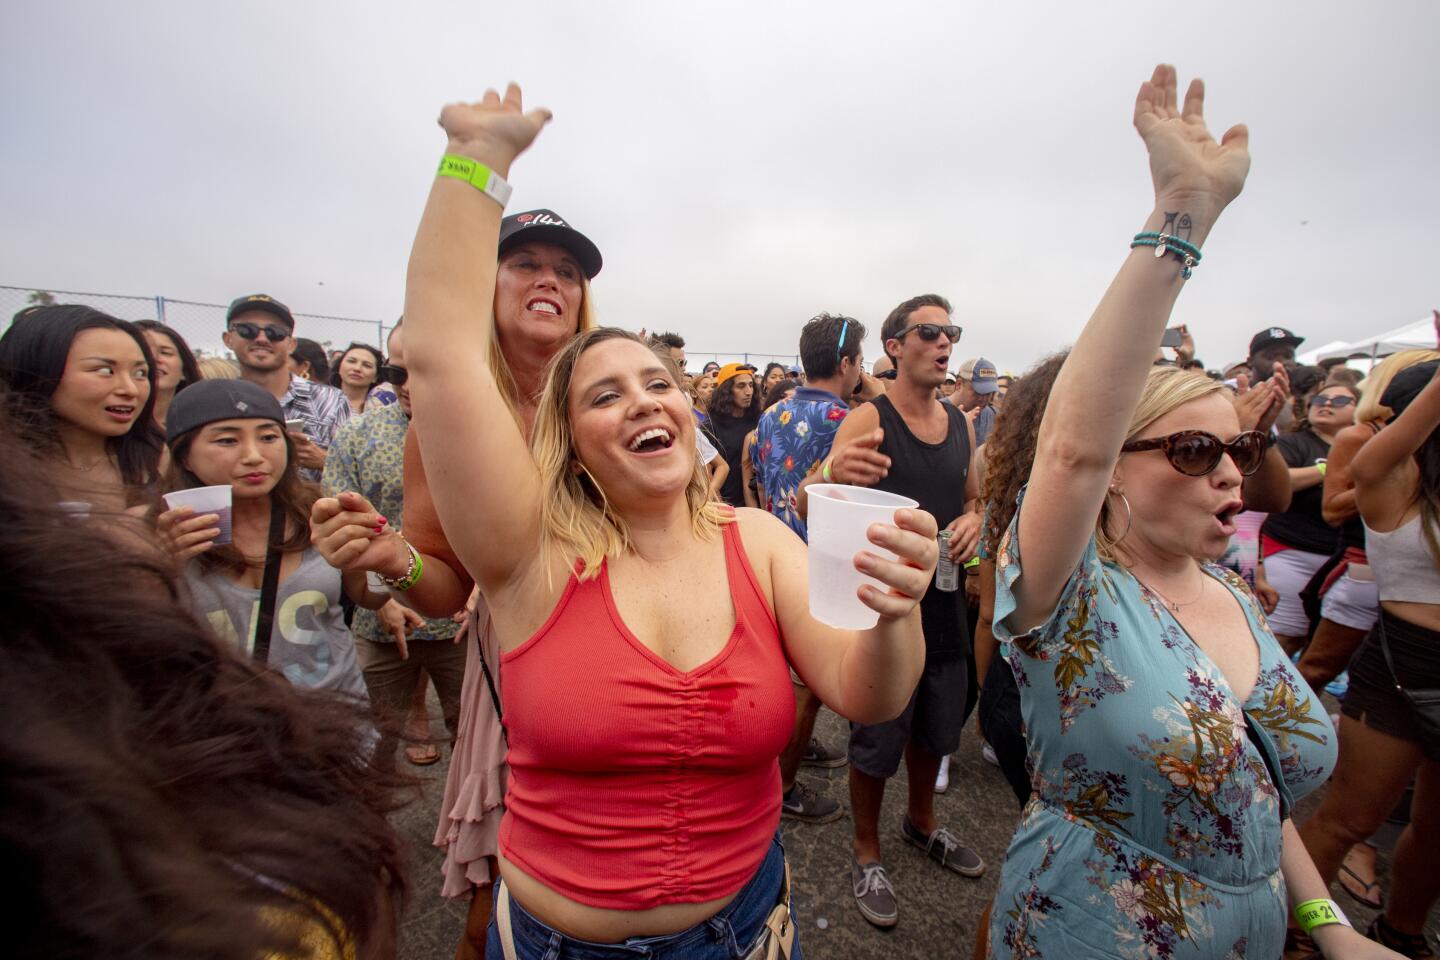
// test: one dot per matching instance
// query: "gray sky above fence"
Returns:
(742, 165)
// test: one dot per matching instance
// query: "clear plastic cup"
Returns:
(206, 500)
(838, 518)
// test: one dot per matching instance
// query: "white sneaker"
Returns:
(942, 780)
(988, 752)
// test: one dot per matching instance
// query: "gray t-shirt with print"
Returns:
(309, 643)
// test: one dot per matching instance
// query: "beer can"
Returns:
(947, 577)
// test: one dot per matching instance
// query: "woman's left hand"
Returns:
(1185, 161)
(912, 539)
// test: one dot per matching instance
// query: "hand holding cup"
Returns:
(912, 539)
(185, 533)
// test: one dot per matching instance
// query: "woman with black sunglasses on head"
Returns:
(1295, 543)
(1167, 731)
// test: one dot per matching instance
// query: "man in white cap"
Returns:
(975, 388)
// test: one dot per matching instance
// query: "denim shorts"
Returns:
(728, 935)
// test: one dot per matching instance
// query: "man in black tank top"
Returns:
(907, 442)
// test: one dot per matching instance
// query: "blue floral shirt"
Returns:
(793, 437)
(1155, 825)
(368, 458)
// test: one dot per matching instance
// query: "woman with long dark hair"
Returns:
(81, 389)
(164, 798)
(1386, 735)
(734, 412)
(175, 365)
(356, 373)
(309, 360)
(232, 433)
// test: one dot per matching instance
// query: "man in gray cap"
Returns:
(975, 388)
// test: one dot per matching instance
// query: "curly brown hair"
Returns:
(165, 797)
(1010, 449)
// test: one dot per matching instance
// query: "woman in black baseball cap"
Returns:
(231, 433)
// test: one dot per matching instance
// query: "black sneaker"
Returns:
(943, 847)
(804, 804)
(816, 755)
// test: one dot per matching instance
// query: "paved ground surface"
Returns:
(938, 910)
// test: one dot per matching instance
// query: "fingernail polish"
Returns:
(383, 521)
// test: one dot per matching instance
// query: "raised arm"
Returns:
(1338, 500)
(1384, 469)
(481, 475)
(1095, 395)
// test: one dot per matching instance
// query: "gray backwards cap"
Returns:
(208, 401)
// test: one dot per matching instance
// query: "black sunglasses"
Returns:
(1196, 453)
(930, 332)
(393, 375)
(249, 331)
(1338, 401)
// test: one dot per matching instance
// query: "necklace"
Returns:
(1175, 607)
(89, 466)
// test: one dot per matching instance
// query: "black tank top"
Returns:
(934, 475)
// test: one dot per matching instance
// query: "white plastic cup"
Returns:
(206, 500)
(838, 518)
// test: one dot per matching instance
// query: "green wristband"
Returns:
(476, 174)
(1318, 913)
(1320, 465)
(412, 572)
(973, 562)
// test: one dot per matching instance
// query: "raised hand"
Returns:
(912, 539)
(1189, 169)
(352, 536)
(492, 130)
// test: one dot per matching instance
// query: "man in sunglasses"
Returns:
(260, 331)
(907, 441)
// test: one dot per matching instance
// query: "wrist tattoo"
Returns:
(1169, 226)
(1184, 227)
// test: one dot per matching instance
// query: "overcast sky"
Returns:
(741, 165)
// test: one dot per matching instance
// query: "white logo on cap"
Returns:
(241, 405)
(1277, 334)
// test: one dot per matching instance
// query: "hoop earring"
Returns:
(1129, 516)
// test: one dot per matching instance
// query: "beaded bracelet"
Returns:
(1186, 252)
(413, 571)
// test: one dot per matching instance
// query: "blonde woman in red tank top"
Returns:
(645, 628)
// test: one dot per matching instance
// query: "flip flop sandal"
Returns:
(1370, 900)
(424, 755)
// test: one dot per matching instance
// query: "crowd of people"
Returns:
(236, 583)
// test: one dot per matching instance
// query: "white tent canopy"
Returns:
(1418, 335)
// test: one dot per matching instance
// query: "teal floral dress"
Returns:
(1155, 825)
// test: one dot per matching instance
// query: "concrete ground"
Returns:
(939, 910)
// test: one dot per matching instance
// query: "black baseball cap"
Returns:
(206, 401)
(260, 301)
(1272, 335)
(1404, 387)
(547, 226)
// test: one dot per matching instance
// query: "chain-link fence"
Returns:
(202, 323)
(199, 323)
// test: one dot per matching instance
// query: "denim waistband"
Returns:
(726, 936)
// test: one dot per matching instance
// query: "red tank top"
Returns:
(633, 784)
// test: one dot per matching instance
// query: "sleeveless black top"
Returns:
(934, 475)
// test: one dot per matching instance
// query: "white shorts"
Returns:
(1288, 572)
(1354, 600)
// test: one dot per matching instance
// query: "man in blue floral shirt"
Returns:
(791, 442)
(367, 457)
(795, 435)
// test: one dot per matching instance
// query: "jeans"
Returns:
(728, 935)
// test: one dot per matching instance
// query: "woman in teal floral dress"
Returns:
(1167, 732)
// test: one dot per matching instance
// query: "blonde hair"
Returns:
(1373, 387)
(217, 368)
(1165, 389)
(500, 367)
(576, 518)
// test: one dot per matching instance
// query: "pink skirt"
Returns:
(469, 827)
